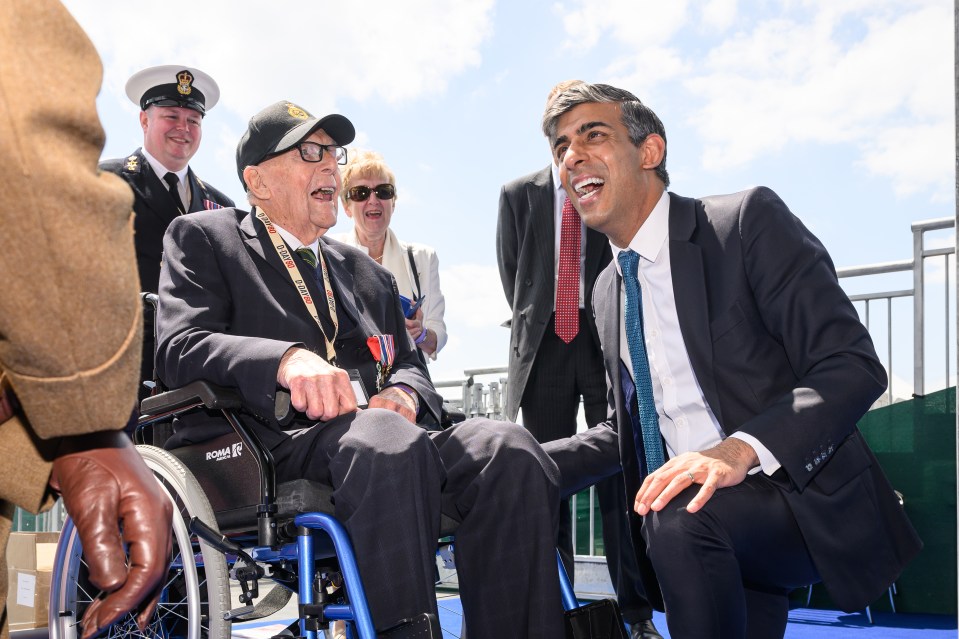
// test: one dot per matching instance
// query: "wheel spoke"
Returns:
(184, 610)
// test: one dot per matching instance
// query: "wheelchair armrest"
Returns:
(200, 391)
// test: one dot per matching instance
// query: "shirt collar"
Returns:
(557, 184)
(651, 236)
(161, 170)
(293, 242)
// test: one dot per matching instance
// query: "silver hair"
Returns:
(640, 121)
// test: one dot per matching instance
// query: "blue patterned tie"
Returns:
(649, 419)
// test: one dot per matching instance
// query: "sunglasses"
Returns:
(362, 193)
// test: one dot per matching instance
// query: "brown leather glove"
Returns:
(105, 486)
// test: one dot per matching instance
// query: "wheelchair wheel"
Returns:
(196, 592)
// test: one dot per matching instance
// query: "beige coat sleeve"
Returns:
(70, 325)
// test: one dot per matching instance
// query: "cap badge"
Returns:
(296, 112)
(184, 82)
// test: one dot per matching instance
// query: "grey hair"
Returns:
(640, 121)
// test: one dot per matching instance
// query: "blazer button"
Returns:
(529, 282)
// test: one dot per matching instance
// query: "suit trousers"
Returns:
(392, 479)
(560, 375)
(727, 570)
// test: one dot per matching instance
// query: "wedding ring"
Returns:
(691, 478)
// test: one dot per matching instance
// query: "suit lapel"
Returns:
(341, 275)
(259, 243)
(542, 226)
(197, 193)
(256, 239)
(689, 290)
(596, 245)
(609, 315)
(607, 321)
(150, 190)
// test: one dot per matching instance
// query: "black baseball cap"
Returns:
(281, 126)
(173, 85)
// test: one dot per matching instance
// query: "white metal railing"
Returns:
(476, 398)
(920, 299)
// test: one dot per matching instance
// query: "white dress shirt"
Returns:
(686, 421)
(161, 171)
(293, 243)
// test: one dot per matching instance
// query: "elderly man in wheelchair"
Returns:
(359, 439)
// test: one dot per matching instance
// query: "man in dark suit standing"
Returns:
(237, 293)
(552, 366)
(738, 369)
(173, 101)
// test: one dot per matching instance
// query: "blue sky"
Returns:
(844, 107)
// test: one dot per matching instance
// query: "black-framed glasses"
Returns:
(362, 193)
(313, 151)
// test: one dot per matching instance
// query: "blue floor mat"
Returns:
(804, 623)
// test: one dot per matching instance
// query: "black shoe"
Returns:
(644, 630)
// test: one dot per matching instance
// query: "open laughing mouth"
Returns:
(588, 188)
(324, 193)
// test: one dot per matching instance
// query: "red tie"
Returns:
(567, 285)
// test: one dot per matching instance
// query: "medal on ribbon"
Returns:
(384, 352)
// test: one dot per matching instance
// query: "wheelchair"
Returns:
(232, 522)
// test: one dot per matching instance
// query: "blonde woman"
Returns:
(369, 196)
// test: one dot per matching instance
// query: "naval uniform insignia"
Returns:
(132, 164)
(184, 82)
(296, 112)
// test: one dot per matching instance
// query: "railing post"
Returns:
(467, 398)
(495, 405)
(478, 408)
(918, 304)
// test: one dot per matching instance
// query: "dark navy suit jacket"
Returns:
(780, 353)
(229, 311)
(155, 209)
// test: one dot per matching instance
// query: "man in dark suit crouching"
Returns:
(738, 369)
(237, 294)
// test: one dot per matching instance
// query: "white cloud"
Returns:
(645, 72)
(316, 54)
(718, 15)
(474, 296)
(627, 21)
(475, 309)
(787, 81)
(867, 73)
(915, 158)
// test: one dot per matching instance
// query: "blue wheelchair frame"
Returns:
(268, 550)
(307, 509)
